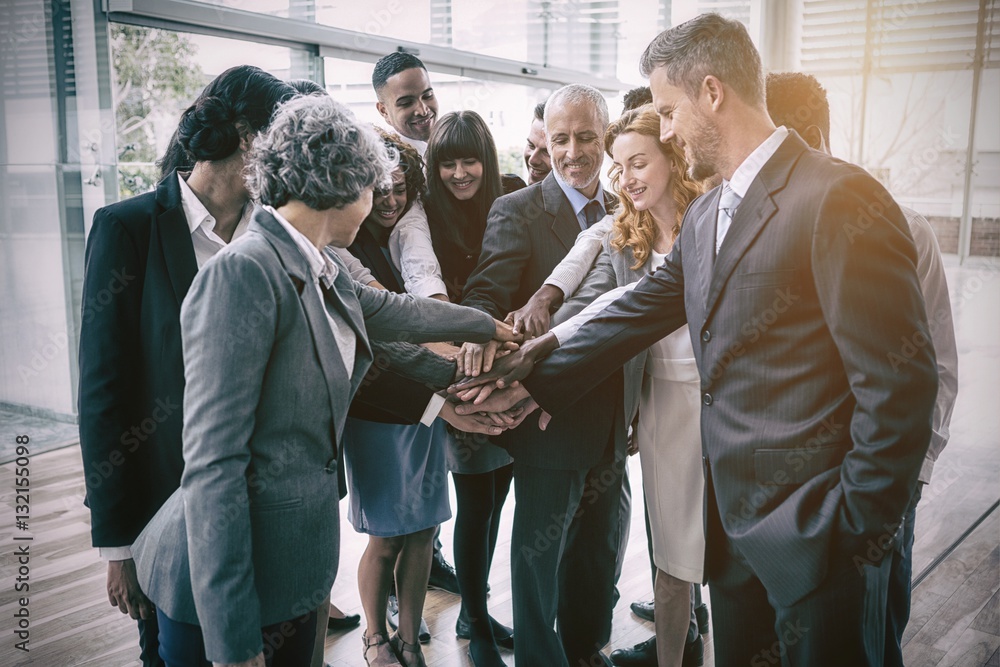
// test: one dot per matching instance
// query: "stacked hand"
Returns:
(498, 388)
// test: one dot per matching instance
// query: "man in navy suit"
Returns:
(796, 278)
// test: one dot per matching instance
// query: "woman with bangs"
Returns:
(399, 506)
(463, 181)
(662, 397)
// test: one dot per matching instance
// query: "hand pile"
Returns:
(491, 387)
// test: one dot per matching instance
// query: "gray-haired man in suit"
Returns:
(567, 481)
(796, 278)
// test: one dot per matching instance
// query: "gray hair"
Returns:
(578, 94)
(707, 45)
(317, 152)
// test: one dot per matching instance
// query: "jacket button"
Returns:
(331, 467)
(706, 398)
(706, 335)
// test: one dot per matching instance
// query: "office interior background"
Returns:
(92, 91)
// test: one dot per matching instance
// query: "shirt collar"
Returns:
(194, 211)
(320, 265)
(577, 199)
(198, 216)
(751, 166)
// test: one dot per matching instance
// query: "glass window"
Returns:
(158, 73)
(916, 133)
(506, 108)
(985, 201)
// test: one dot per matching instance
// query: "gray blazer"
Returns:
(252, 536)
(813, 432)
(611, 269)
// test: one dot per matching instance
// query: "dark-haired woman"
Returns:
(144, 252)
(397, 473)
(463, 181)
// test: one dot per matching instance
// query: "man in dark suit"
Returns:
(812, 343)
(567, 481)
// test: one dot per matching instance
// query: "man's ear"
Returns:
(382, 110)
(713, 91)
(814, 138)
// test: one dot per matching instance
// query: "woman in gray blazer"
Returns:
(276, 343)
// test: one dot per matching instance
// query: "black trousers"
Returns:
(564, 544)
(840, 623)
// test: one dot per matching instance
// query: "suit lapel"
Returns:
(334, 370)
(704, 251)
(175, 237)
(565, 225)
(753, 213)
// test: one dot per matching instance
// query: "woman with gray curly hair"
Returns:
(275, 338)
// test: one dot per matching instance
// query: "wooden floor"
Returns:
(955, 618)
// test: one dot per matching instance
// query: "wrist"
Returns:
(549, 296)
(541, 347)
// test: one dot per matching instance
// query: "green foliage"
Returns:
(155, 72)
(511, 161)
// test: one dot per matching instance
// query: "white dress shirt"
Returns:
(202, 224)
(579, 201)
(934, 287)
(323, 268)
(748, 170)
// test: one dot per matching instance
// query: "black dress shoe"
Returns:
(701, 613)
(392, 618)
(503, 635)
(344, 623)
(443, 576)
(643, 654)
(643, 610)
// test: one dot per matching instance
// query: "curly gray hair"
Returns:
(317, 152)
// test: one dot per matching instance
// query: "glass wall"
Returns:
(506, 108)
(899, 75)
(158, 73)
(40, 219)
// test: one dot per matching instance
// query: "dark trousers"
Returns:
(897, 613)
(286, 644)
(564, 544)
(840, 623)
(149, 644)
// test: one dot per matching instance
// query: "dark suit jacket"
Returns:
(812, 432)
(139, 265)
(527, 235)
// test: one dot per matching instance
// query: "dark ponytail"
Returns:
(210, 128)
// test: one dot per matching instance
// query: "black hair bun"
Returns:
(208, 131)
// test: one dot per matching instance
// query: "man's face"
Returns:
(536, 153)
(407, 103)
(683, 121)
(575, 136)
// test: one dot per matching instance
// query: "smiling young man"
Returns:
(405, 97)
(536, 149)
